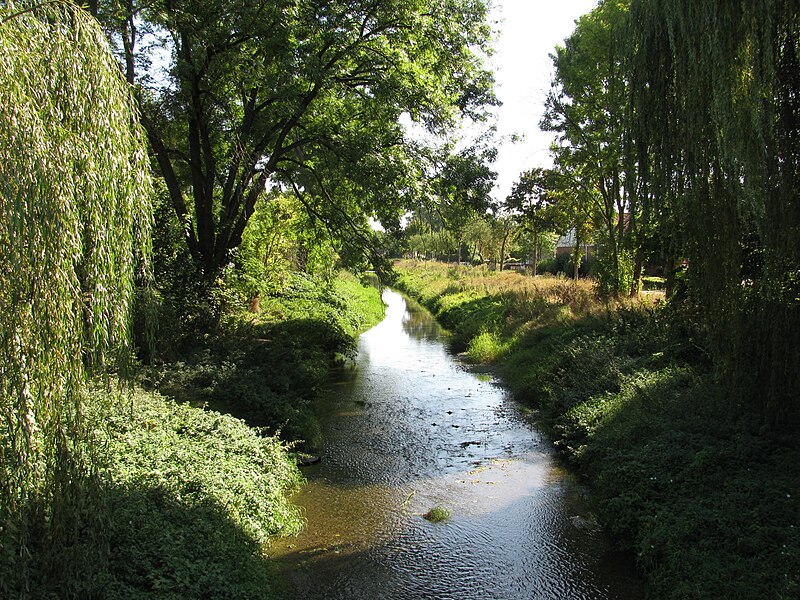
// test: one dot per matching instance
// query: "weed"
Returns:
(437, 514)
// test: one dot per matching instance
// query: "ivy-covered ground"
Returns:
(707, 498)
(184, 499)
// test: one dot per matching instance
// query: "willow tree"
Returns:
(716, 93)
(74, 220)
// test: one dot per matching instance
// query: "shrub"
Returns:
(485, 347)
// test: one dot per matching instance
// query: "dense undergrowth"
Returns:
(267, 367)
(181, 504)
(705, 495)
(181, 500)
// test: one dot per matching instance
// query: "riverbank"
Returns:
(180, 501)
(707, 501)
(268, 367)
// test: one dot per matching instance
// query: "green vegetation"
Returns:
(107, 491)
(74, 239)
(268, 367)
(275, 132)
(437, 514)
(187, 499)
(309, 95)
(694, 484)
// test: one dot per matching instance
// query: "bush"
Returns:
(269, 367)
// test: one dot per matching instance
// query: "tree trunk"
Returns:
(637, 275)
(503, 250)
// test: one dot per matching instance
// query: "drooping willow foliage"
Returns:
(715, 136)
(74, 235)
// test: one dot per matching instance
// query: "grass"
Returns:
(681, 475)
(437, 514)
(268, 367)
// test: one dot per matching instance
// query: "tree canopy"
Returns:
(240, 96)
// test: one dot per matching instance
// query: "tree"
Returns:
(533, 199)
(74, 236)
(293, 91)
(587, 107)
(717, 119)
(463, 187)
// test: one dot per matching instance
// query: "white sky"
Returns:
(529, 30)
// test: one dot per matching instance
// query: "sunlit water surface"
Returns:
(409, 427)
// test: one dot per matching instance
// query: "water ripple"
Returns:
(411, 428)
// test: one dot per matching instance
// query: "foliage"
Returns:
(533, 200)
(186, 500)
(716, 122)
(268, 367)
(305, 95)
(624, 408)
(679, 145)
(587, 107)
(486, 347)
(490, 305)
(74, 236)
(176, 471)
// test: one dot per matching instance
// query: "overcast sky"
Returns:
(529, 30)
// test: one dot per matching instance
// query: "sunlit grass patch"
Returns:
(485, 348)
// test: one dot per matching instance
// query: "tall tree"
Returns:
(587, 108)
(462, 188)
(718, 118)
(533, 200)
(259, 91)
(74, 230)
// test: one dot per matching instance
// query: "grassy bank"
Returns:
(706, 498)
(267, 367)
(178, 500)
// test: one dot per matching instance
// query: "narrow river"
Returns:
(410, 427)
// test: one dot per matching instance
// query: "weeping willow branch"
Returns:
(718, 111)
(74, 236)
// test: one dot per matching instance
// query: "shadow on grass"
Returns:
(707, 503)
(266, 374)
(141, 543)
(161, 547)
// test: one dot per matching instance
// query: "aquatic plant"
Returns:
(437, 514)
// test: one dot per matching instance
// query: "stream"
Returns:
(409, 427)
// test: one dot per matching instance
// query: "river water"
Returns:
(409, 427)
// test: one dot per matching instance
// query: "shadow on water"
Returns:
(409, 428)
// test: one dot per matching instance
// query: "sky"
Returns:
(528, 32)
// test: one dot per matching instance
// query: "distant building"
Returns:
(566, 245)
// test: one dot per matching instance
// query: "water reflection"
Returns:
(409, 428)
